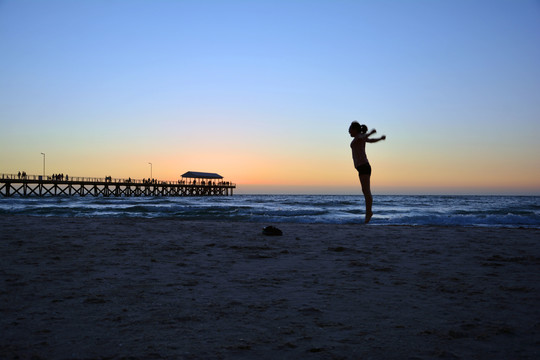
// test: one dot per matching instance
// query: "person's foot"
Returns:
(368, 216)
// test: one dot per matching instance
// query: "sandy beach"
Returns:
(132, 288)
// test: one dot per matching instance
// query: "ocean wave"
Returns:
(508, 211)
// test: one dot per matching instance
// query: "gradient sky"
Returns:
(263, 92)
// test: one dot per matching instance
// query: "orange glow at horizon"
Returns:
(327, 171)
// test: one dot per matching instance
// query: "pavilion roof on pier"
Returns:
(201, 175)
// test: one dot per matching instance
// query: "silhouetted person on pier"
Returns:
(361, 163)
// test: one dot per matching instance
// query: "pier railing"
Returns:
(67, 178)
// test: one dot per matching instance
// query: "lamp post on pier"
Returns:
(150, 171)
(43, 165)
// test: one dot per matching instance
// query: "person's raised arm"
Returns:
(375, 140)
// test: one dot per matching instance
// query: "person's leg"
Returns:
(366, 189)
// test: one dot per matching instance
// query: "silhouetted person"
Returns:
(361, 163)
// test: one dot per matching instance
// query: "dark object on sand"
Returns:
(272, 231)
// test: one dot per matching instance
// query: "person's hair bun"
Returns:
(363, 129)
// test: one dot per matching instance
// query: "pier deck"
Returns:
(34, 185)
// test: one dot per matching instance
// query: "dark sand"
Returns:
(74, 288)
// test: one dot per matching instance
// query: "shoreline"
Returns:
(167, 288)
(262, 224)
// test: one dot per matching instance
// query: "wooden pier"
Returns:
(194, 184)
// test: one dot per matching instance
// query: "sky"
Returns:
(263, 92)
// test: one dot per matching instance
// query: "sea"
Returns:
(447, 210)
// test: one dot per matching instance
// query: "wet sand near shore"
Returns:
(133, 288)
